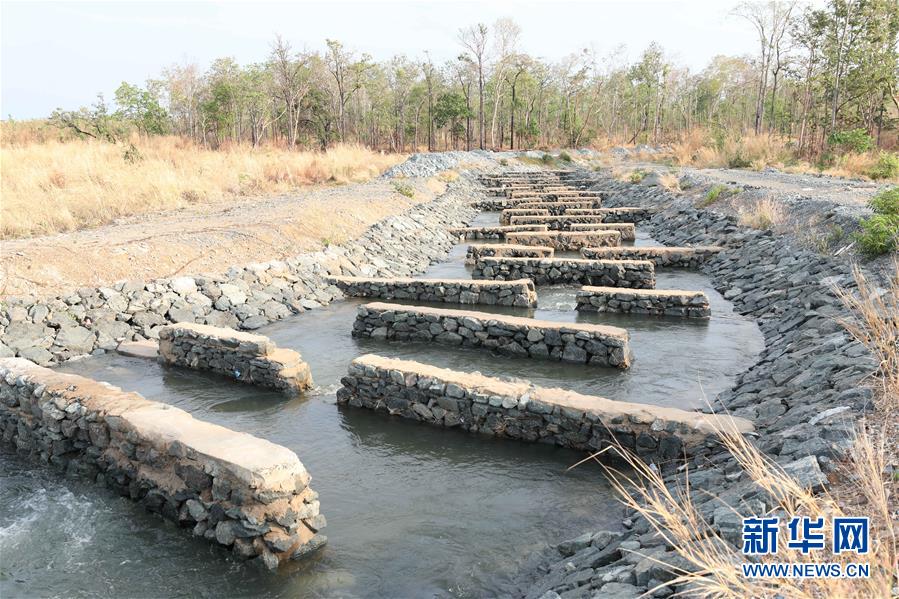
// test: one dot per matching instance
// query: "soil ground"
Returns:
(201, 239)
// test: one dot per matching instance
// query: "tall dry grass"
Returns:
(765, 214)
(867, 487)
(50, 185)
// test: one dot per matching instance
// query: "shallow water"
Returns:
(412, 510)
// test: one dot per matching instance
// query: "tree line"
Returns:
(822, 77)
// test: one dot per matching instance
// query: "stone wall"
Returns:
(636, 274)
(685, 257)
(507, 214)
(244, 357)
(628, 230)
(519, 293)
(96, 320)
(558, 208)
(659, 302)
(591, 344)
(518, 410)
(494, 233)
(476, 251)
(566, 241)
(236, 490)
(805, 395)
(561, 222)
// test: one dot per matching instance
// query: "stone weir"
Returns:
(96, 320)
(628, 230)
(684, 257)
(452, 291)
(497, 232)
(806, 393)
(507, 214)
(591, 344)
(566, 241)
(515, 409)
(242, 356)
(561, 222)
(242, 492)
(658, 302)
(558, 208)
(636, 274)
(476, 251)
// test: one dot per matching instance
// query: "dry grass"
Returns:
(670, 181)
(764, 214)
(874, 322)
(714, 564)
(51, 186)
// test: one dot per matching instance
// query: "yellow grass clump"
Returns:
(50, 185)
(764, 214)
(865, 487)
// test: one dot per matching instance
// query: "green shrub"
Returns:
(738, 162)
(880, 233)
(503, 162)
(887, 166)
(404, 189)
(717, 192)
(853, 140)
(886, 202)
(564, 156)
(636, 176)
(547, 159)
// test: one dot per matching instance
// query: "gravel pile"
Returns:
(428, 164)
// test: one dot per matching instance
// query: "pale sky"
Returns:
(61, 54)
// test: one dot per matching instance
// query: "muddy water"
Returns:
(412, 510)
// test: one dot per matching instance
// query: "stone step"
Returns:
(496, 232)
(638, 274)
(516, 409)
(659, 302)
(476, 251)
(592, 344)
(566, 241)
(628, 231)
(457, 291)
(685, 257)
(244, 493)
(238, 355)
(559, 207)
(560, 222)
(506, 214)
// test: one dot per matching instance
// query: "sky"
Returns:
(62, 54)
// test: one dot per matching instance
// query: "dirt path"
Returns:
(201, 239)
(850, 192)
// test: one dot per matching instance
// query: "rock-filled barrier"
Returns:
(558, 208)
(683, 257)
(507, 214)
(238, 355)
(476, 251)
(659, 302)
(561, 222)
(520, 293)
(95, 320)
(596, 345)
(566, 241)
(496, 232)
(518, 410)
(628, 230)
(231, 488)
(636, 274)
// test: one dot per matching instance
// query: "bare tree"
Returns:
(505, 38)
(291, 83)
(474, 40)
(770, 20)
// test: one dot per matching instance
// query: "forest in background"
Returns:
(824, 79)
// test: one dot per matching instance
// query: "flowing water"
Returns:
(413, 511)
